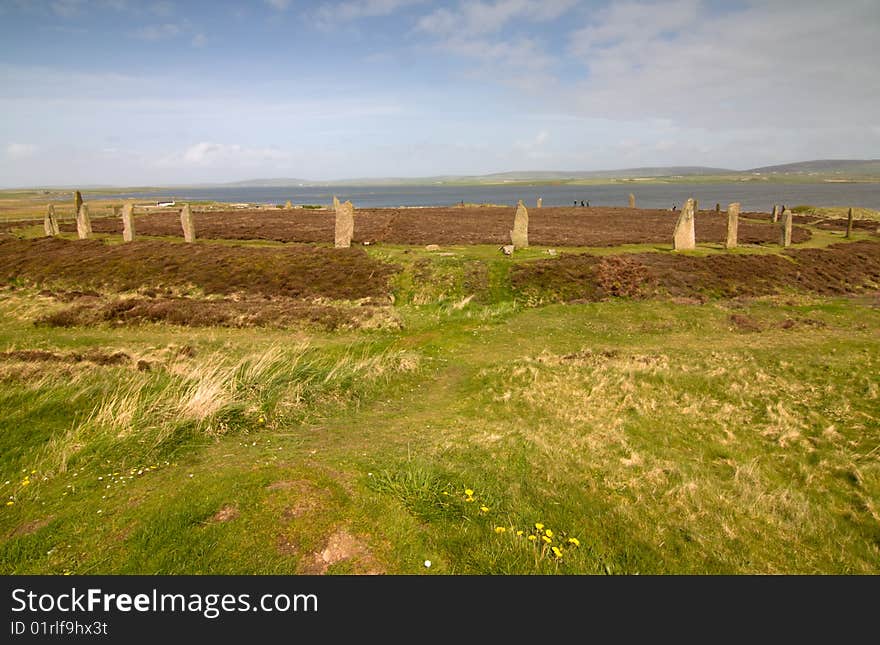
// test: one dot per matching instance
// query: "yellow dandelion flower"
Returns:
(556, 551)
(10, 503)
(468, 492)
(546, 539)
(468, 499)
(25, 482)
(574, 541)
(261, 420)
(532, 538)
(33, 472)
(485, 509)
(500, 529)
(548, 533)
(539, 526)
(519, 533)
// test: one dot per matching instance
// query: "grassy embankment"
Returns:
(664, 435)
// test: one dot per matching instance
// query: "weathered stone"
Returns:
(696, 206)
(83, 222)
(335, 202)
(507, 249)
(632, 200)
(186, 221)
(77, 201)
(732, 225)
(849, 222)
(344, 224)
(432, 247)
(128, 223)
(785, 228)
(288, 205)
(50, 223)
(519, 236)
(684, 239)
(717, 207)
(539, 203)
(775, 213)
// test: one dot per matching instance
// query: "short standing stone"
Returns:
(717, 207)
(519, 236)
(632, 200)
(539, 203)
(732, 225)
(50, 223)
(128, 223)
(849, 222)
(344, 225)
(775, 213)
(83, 222)
(507, 249)
(335, 203)
(288, 205)
(186, 221)
(785, 228)
(684, 239)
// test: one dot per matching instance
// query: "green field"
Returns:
(479, 425)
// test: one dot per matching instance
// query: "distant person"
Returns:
(582, 202)
(673, 208)
(575, 202)
(588, 203)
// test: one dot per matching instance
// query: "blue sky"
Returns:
(153, 92)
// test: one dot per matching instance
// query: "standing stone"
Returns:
(849, 222)
(77, 202)
(519, 236)
(186, 221)
(684, 238)
(785, 228)
(632, 200)
(696, 206)
(775, 213)
(128, 223)
(717, 207)
(344, 224)
(335, 203)
(732, 225)
(539, 203)
(83, 222)
(288, 205)
(50, 223)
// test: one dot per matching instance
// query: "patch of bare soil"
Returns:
(225, 514)
(39, 355)
(556, 226)
(841, 269)
(342, 546)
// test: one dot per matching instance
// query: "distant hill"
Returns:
(852, 167)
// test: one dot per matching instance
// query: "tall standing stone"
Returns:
(344, 224)
(83, 222)
(849, 222)
(632, 200)
(128, 223)
(335, 203)
(50, 223)
(77, 202)
(186, 221)
(732, 225)
(775, 213)
(539, 203)
(519, 236)
(785, 228)
(684, 238)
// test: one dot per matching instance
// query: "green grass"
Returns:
(736, 436)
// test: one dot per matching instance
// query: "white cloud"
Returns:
(474, 18)
(20, 150)
(207, 153)
(279, 5)
(158, 32)
(768, 64)
(329, 14)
